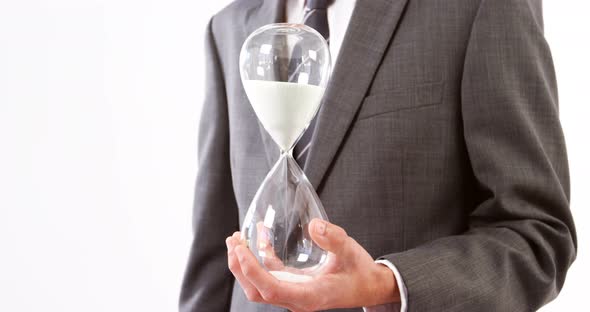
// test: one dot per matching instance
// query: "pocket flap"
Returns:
(416, 96)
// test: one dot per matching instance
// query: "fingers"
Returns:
(260, 286)
(272, 290)
(234, 266)
(329, 237)
(251, 269)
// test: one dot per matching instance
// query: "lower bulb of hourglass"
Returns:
(276, 225)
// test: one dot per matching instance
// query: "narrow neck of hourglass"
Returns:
(289, 158)
(289, 152)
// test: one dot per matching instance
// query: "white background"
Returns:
(99, 104)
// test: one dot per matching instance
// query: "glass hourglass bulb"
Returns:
(285, 69)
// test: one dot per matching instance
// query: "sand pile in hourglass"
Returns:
(284, 122)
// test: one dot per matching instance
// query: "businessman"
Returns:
(438, 154)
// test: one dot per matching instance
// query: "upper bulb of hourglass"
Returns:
(285, 69)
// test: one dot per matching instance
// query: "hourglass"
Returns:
(284, 70)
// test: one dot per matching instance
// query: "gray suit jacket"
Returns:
(438, 147)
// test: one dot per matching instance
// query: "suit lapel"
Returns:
(264, 12)
(371, 28)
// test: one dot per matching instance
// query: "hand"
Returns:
(350, 279)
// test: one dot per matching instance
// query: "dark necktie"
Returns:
(316, 17)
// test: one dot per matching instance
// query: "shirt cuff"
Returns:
(403, 293)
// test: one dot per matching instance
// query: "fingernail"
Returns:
(320, 227)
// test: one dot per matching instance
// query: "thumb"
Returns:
(328, 236)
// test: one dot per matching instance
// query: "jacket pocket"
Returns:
(420, 95)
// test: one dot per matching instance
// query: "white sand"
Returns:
(290, 277)
(285, 109)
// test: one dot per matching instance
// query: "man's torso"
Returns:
(390, 150)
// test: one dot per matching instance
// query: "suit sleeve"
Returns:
(208, 283)
(521, 238)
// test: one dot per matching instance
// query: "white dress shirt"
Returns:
(339, 13)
